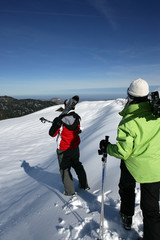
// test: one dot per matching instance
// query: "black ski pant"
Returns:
(68, 159)
(150, 205)
(127, 186)
(150, 202)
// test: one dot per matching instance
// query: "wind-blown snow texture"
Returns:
(32, 204)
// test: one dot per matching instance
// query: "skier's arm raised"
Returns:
(53, 131)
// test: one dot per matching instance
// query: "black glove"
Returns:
(103, 145)
(57, 121)
(55, 126)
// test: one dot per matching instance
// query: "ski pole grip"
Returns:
(107, 138)
(42, 119)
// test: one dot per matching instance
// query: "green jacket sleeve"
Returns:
(124, 146)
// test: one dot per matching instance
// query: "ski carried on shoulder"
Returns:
(69, 105)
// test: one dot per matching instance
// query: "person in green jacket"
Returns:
(138, 140)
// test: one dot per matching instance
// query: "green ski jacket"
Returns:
(138, 142)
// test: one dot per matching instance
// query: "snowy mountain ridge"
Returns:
(32, 202)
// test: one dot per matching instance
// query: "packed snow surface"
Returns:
(32, 204)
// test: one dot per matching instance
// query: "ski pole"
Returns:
(43, 120)
(104, 160)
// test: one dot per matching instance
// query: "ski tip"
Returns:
(76, 98)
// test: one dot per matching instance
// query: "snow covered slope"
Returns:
(32, 204)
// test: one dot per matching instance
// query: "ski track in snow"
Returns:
(32, 204)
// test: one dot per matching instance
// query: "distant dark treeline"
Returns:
(11, 107)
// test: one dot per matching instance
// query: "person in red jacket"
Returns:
(67, 128)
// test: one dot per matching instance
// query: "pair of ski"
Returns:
(69, 105)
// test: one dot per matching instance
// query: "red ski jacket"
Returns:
(67, 129)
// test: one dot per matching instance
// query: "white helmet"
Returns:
(138, 88)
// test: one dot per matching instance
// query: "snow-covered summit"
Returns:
(32, 204)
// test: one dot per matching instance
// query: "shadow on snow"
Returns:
(111, 213)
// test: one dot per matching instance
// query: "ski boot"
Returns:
(84, 188)
(126, 220)
(66, 194)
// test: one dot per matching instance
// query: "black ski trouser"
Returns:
(150, 202)
(68, 159)
(127, 186)
(150, 205)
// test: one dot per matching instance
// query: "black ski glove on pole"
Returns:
(103, 145)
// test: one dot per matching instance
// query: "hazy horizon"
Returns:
(85, 94)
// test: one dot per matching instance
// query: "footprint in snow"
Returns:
(96, 191)
(75, 203)
(61, 221)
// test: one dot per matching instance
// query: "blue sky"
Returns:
(51, 47)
